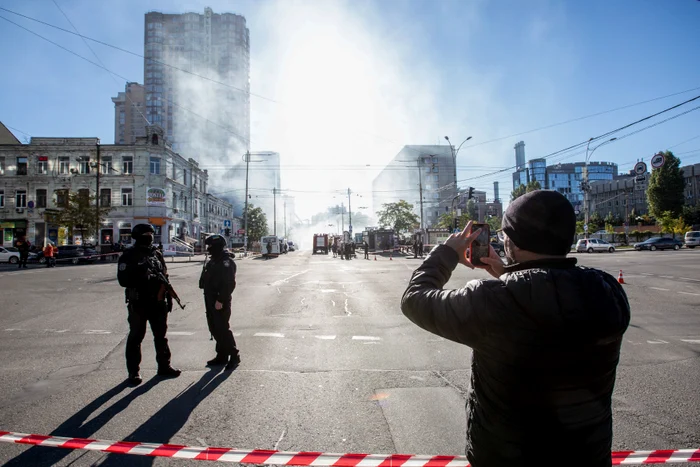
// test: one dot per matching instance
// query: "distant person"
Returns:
(365, 246)
(139, 272)
(23, 245)
(48, 256)
(420, 248)
(269, 248)
(545, 335)
(415, 249)
(334, 248)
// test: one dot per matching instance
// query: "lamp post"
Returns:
(585, 186)
(454, 163)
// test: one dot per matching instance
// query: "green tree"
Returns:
(518, 192)
(398, 216)
(609, 219)
(594, 222)
(494, 224)
(691, 214)
(533, 185)
(609, 228)
(79, 214)
(257, 223)
(632, 218)
(579, 226)
(665, 190)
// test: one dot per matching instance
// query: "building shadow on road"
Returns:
(168, 421)
(75, 426)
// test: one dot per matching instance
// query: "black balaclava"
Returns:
(143, 240)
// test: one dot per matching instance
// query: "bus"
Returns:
(275, 241)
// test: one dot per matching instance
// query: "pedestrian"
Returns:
(48, 256)
(269, 248)
(415, 249)
(420, 248)
(142, 271)
(545, 335)
(218, 280)
(365, 246)
(23, 245)
(334, 248)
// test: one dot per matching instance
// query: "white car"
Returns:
(594, 244)
(7, 256)
(692, 239)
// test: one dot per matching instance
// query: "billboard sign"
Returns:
(155, 197)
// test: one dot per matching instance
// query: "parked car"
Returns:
(76, 254)
(291, 245)
(9, 256)
(692, 238)
(659, 243)
(499, 248)
(591, 245)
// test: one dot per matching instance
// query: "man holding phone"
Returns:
(545, 335)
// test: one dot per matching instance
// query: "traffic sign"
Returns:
(227, 223)
(241, 231)
(658, 161)
(641, 178)
(640, 168)
(585, 227)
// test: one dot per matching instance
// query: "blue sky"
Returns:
(356, 80)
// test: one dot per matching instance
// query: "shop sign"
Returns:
(155, 197)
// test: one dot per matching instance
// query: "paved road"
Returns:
(329, 361)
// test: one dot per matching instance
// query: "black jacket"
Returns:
(546, 342)
(138, 270)
(218, 278)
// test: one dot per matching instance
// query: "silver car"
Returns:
(591, 245)
(692, 239)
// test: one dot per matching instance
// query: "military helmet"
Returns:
(140, 229)
(215, 241)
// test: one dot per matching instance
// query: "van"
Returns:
(275, 241)
(692, 238)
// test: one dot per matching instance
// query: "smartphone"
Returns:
(480, 246)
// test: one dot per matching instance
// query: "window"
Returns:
(435, 168)
(174, 200)
(84, 193)
(106, 163)
(2, 166)
(122, 118)
(184, 203)
(105, 197)
(155, 165)
(61, 198)
(40, 198)
(84, 165)
(184, 177)
(127, 197)
(2, 199)
(42, 165)
(21, 199)
(127, 164)
(21, 166)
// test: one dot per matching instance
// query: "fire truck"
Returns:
(320, 244)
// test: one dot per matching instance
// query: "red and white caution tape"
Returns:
(316, 459)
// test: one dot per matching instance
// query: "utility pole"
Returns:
(97, 204)
(420, 191)
(245, 213)
(349, 214)
(342, 217)
(274, 210)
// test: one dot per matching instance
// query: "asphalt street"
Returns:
(329, 362)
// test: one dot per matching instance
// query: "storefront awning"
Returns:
(160, 221)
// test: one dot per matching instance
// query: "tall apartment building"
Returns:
(432, 167)
(130, 114)
(215, 46)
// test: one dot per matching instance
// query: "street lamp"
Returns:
(454, 160)
(585, 186)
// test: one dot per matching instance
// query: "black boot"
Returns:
(135, 379)
(218, 360)
(169, 372)
(233, 364)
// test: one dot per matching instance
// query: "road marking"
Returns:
(278, 291)
(302, 300)
(96, 331)
(657, 342)
(333, 302)
(647, 274)
(328, 290)
(14, 329)
(268, 334)
(659, 288)
(180, 333)
(689, 293)
(691, 341)
(290, 277)
(666, 277)
(366, 338)
(689, 279)
(346, 307)
(325, 338)
(237, 334)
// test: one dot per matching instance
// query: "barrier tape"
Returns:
(316, 459)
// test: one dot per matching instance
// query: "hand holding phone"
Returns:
(480, 247)
(461, 241)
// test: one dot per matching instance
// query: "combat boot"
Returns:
(135, 379)
(169, 372)
(218, 360)
(233, 363)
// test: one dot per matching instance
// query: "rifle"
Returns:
(169, 288)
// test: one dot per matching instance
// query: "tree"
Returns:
(665, 190)
(691, 214)
(472, 210)
(632, 218)
(518, 192)
(257, 223)
(79, 214)
(579, 227)
(399, 216)
(594, 221)
(494, 224)
(609, 219)
(533, 185)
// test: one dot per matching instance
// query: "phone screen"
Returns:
(480, 246)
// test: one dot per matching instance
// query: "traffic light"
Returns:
(471, 193)
(227, 232)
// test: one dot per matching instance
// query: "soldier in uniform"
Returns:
(139, 270)
(218, 281)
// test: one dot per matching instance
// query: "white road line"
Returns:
(647, 274)
(666, 277)
(302, 300)
(689, 293)
(325, 338)
(333, 302)
(14, 329)
(96, 331)
(328, 290)
(180, 333)
(689, 279)
(659, 288)
(287, 279)
(659, 341)
(237, 334)
(278, 291)
(268, 334)
(366, 338)
(691, 341)
(346, 307)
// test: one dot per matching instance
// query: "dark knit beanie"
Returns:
(541, 221)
